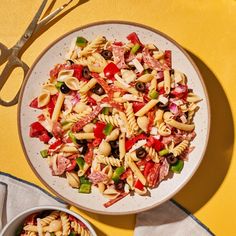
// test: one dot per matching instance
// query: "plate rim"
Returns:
(122, 23)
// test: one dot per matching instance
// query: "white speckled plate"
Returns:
(39, 72)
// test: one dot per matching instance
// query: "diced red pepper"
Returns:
(139, 185)
(129, 143)
(147, 168)
(77, 70)
(118, 43)
(127, 173)
(44, 137)
(55, 144)
(36, 129)
(89, 155)
(110, 70)
(72, 165)
(133, 38)
(97, 141)
(161, 90)
(137, 106)
(34, 103)
(98, 130)
(155, 143)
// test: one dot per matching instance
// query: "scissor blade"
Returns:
(33, 24)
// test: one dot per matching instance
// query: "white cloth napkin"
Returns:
(169, 219)
(17, 195)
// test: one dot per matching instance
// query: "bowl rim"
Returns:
(50, 207)
(122, 23)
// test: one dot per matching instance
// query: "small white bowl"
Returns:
(12, 226)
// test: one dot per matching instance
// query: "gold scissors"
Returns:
(12, 55)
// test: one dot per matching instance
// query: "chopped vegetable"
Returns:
(105, 111)
(59, 84)
(85, 188)
(98, 130)
(84, 180)
(139, 185)
(153, 94)
(135, 48)
(108, 128)
(117, 173)
(163, 152)
(73, 138)
(110, 70)
(80, 162)
(44, 153)
(130, 142)
(133, 38)
(81, 42)
(177, 167)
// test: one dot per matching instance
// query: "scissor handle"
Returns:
(12, 63)
(4, 53)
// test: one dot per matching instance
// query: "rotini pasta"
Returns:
(152, 153)
(108, 160)
(180, 148)
(108, 119)
(131, 117)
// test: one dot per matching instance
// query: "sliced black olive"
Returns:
(98, 89)
(120, 185)
(69, 62)
(86, 73)
(172, 71)
(106, 54)
(64, 89)
(116, 153)
(161, 105)
(84, 149)
(114, 144)
(140, 86)
(50, 134)
(171, 159)
(81, 141)
(141, 152)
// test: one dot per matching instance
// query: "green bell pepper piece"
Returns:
(85, 188)
(135, 48)
(73, 234)
(73, 138)
(84, 180)
(59, 84)
(105, 111)
(153, 94)
(80, 162)
(108, 128)
(81, 42)
(178, 166)
(44, 153)
(163, 152)
(117, 173)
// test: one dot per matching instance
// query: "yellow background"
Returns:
(207, 30)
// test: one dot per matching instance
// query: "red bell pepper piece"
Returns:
(55, 144)
(44, 137)
(36, 129)
(110, 70)
(134, 39)
(139, 185)
(41, 117)
(155, 143)
(34, 103)
(147, 168)
(129, 143)
(98, 130)
(77, 70)
(137, 106)
(96, 142)
(127, 173)
(161, 90)
(118, 43)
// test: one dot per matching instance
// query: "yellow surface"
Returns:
(206, 29)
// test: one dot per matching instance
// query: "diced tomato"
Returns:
(139, 185)
(98, 130)
(133, 38)
(36, 129)
(129, 143)
(168, 59)
(44, 137)
(72, 165)
(89, 155)
(41, 117)
(110, 70)
(34, 103)
(91, 101)
(77, 70)
(127, 173)
(55, 144)
(137, 106)
(97, 141)
(147, 168)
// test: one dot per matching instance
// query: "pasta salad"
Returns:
(52, 223)
(115, 115)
